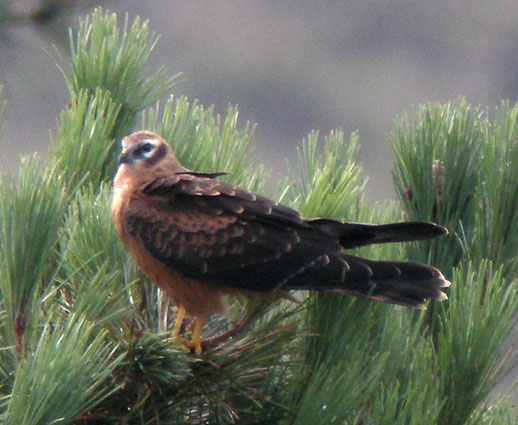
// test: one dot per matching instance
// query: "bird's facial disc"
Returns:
(139, 152)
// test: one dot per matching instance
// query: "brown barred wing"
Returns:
(241, 247)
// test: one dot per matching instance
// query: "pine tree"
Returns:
(86, 338)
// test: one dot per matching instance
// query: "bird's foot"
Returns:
(193, 343)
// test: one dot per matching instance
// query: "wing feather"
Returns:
(208, 229)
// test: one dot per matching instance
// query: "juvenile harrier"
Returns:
(199, 239)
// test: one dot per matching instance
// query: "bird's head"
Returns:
(144, 149)
(145, 155)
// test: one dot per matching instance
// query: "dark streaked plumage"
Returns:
(199, 238)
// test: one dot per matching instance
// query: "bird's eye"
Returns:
(146, 147)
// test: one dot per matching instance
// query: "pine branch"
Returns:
(85, 152)
(31, 210)
(63, 376)
(496, 225)
(328, 184)
(104, 58)
(437, 152)
(481, 314)
(469, 185)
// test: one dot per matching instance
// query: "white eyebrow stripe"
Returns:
(153, 142)
(150, 153)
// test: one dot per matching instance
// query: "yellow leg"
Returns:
(195, 342)
(196, 337)
(180, 315)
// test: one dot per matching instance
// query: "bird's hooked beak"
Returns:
(124, 157)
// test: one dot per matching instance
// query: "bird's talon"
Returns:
(182, 342)
(195, 342)
(190, 344)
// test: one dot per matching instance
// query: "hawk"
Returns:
(200, 239)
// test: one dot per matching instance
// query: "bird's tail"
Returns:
(354, 235)
(407, 284)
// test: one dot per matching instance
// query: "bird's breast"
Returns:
(120, 202)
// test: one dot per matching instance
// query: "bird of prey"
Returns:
(200, 239)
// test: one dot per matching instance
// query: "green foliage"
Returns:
(86, 250)
(95, 276)
(436, 172)
(85, 338)
(155, 360)
(471, 184)
(337, 354)
(328, 184)
(396, 398)
(496, 222)
(481, 313)
(103, 58)
(85, 151)
(31, 212)
(63, 376)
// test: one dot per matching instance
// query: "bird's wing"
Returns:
(206, 229)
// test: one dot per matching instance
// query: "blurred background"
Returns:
(291, 67)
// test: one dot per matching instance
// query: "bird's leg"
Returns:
(180, 315)
(195, 341)
(196, 336)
